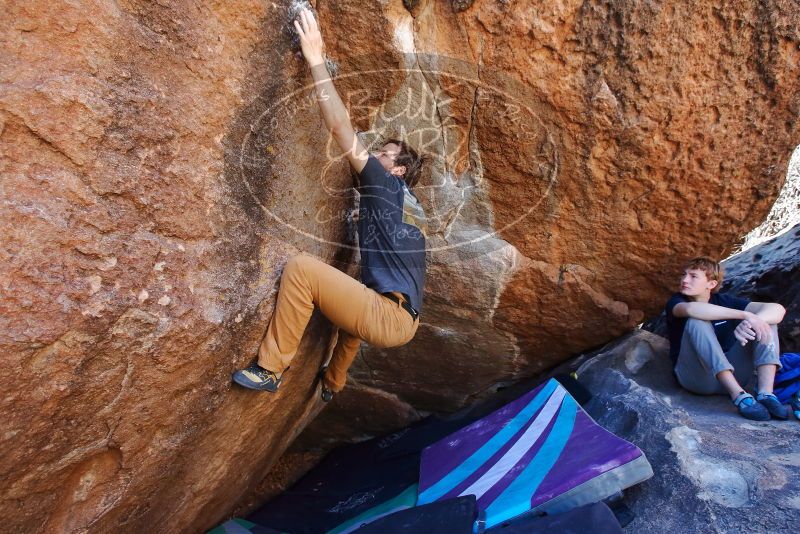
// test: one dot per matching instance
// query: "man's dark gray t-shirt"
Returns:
(391, 234)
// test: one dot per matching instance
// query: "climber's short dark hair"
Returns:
(410, 159)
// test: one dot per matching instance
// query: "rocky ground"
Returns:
(714, 470)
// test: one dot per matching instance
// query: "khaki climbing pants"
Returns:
(358, 311)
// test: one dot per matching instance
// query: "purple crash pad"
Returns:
(540, 453)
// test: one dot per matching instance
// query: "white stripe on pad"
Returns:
(518, 450)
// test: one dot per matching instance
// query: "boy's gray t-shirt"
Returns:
(391, 234)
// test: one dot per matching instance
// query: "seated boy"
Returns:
(717, 339)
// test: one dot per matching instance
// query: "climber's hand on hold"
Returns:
(310, 38)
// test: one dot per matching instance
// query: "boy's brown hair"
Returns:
(713, 269)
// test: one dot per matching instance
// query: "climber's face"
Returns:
(387, 156)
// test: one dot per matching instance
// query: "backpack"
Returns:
(787, 381)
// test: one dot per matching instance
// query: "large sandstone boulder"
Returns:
(137, 269)
(162, 160)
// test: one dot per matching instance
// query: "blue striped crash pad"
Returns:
(539, 453)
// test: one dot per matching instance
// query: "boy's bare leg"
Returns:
(730, 384)
(766, 377)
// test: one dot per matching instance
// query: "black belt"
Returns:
(406, 306)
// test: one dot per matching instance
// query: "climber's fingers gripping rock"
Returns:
(310, 38)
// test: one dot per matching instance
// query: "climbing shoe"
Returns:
(773, 406)
(750, 409)
(796, 405)
(256, 377)
(327, 394)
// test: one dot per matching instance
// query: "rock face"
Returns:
(770, 272)
(137, 269)
(786, 210)
(161, 161)
(714, 470)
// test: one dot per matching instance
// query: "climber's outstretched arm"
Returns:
(335, 115)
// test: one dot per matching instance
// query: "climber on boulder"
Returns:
(716, 340)
(384, 309)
